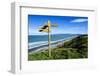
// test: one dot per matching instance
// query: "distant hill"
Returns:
(78, 42)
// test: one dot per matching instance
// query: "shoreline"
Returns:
(45, 46)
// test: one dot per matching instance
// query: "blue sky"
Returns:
(66, 24)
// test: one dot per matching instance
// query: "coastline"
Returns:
(44, 46)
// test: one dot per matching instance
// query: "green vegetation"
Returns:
(73, 49)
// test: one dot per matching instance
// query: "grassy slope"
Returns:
(76, 48)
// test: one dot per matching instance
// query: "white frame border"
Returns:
(16, 30)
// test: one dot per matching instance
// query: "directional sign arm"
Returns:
(44, 29)
(54, 25)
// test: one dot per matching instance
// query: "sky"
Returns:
(66, 24)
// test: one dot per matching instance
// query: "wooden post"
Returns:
(49, 39)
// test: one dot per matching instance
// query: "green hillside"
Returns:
(74, 49)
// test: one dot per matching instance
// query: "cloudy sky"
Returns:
(66, 24)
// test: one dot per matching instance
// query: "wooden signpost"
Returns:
(47, 28)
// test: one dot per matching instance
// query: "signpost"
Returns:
(47, 28)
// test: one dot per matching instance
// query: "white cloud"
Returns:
(79, 20)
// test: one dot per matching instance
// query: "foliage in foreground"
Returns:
(74, 49)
